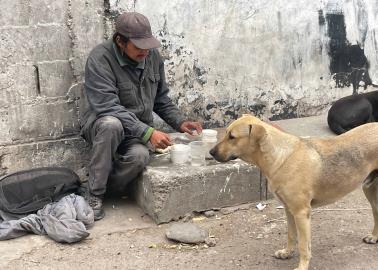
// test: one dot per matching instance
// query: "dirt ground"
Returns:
(246, 239)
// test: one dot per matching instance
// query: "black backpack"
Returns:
(27, 191)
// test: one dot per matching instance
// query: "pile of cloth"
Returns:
(65, 221)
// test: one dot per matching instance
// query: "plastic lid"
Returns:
(180, 147)
(209, 132)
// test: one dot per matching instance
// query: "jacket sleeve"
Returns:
(163, 106)
(102, 95)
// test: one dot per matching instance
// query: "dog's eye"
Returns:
(230, 136)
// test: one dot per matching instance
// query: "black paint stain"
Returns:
(37, 80)
(348, 62)
(321, 18)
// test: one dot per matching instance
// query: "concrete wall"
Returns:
(269, 57)
(43, 47)
(276, 59)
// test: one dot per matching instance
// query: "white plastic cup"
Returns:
(210, 139)
(197, 153)
(179, 153)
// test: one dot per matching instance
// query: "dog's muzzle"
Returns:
(217, 157)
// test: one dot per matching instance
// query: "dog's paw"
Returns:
(370, 239)
(283, 254)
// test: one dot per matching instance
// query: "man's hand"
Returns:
(188, 127)
(160, 139)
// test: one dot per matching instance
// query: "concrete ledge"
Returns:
(167, 192)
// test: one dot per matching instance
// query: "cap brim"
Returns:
(146, 43)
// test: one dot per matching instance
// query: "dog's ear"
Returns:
(257, 131)
(244, 130)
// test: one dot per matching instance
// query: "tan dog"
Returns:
(306, 173)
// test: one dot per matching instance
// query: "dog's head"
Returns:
(241, 139)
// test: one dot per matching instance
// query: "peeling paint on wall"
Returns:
(349, 64)
(268, 58)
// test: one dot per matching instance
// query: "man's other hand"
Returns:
(160, 139)
(189, 127)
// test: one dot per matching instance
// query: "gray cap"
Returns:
(137, 28)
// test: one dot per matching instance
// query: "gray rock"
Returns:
(187, 233)
(209, 213)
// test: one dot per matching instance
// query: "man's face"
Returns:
(135, 53)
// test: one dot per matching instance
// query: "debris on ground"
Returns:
(260, 206)
(188, 217)
(197, 219)
(211, 242)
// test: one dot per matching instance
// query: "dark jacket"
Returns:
(115, 89)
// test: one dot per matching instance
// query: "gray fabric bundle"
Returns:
(63, 221)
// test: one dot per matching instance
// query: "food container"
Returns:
(197, 153)
(209, 138)
(194, 137)
(179, 153)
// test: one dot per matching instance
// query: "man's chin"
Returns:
(140, 58)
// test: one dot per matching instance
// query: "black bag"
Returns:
(25, 192)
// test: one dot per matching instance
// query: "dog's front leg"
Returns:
(370, 189)
(303, 224)
(287, 252)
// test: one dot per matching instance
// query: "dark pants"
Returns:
(107, 168)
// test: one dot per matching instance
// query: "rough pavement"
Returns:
(246, 239)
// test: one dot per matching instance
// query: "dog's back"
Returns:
(359, 143)
(352, 111)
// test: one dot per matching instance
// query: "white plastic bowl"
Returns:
(179, 153)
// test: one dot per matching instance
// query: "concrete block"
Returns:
(71, 153)
(86, 23)
(18, 84)
(42, 120)
(51, 42)
(47, 11)
(34, 44)
(166, 192)
(16, 45)
(5, 127)
(55, 78)
(15, 13)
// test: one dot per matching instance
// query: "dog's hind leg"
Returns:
(370, 188)
(287, 252)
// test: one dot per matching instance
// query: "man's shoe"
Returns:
(96, 203)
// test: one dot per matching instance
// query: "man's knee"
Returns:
(109, 125)
(127, 167)
(139, 156)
